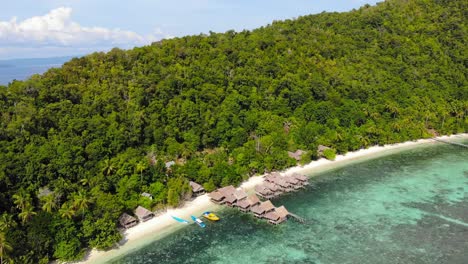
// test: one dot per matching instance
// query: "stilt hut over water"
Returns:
(228, 193)
(263, 209)
(143, 214)
(216, 197)
(197, 189)
(127, 221)
(253, 201)
(242, 202)
(274, 188)
(301, 178)
(262, 191)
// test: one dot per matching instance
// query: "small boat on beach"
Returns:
(198, 221)
(210, 216)
(180, 220)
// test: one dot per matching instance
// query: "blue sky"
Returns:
(45, 28)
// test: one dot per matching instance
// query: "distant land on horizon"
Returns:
(21, 69)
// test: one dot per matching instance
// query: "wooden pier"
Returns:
(297, 218)
(451, 143)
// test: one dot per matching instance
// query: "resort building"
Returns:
(228, 194)
(242, 202)
(197, 189)
(277, 216)
(274, 188)
(143, 214)
(301, 178)
(127, 221)
(262, 191)
(253, 201)
(216, 197)
(263, 209)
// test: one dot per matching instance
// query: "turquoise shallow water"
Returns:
(409, 207)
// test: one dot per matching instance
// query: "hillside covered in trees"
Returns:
(80, 143)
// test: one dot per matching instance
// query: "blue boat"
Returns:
(198, 221)
(180, 220)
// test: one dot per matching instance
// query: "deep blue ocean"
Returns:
(21, 69)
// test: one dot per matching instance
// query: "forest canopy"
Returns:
(80, 143)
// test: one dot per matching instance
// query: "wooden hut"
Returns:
(262, 191)
(228, 193)
(216, 197)
(143, 214)
(304, 180)
(293, 182)
(286, 186)
(296, 155)
(274, 188)
(127, 221)
(277, 216)
(263, 209)
(242, 202)
(197, 189)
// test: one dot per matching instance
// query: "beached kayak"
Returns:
(180, 220)
(198, 221)
(210, 216)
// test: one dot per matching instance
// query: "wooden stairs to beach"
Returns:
(451, 143)
(297, 218)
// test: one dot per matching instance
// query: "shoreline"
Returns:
(162, 225)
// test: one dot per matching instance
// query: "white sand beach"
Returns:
(162, 225)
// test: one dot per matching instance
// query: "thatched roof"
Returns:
(240, 194)
(142, 212)
(227, 191)
(257, 209)
(282, 182)
(271, 186)
(217, 196)
(296, 155)
(273, 216)
(243, 203)
(267, 206)
(282, 212)
(300, 177)
(262, 189)
(291, 180)
(253, 200)
(230, 199)
(270, 178)
(126, 219)
(196, 187)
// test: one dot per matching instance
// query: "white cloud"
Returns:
(57, 29)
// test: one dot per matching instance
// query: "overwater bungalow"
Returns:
(277, 216)
(301, 178)
(216, 197)
(197, 189)
(264, 208)
(286, 186)
(253, 200)
(228, 193)
(262, 191)
(242, 202)
(127, 221)
(274, 188)
(143, 214)
(293, 182)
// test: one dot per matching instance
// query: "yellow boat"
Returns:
(210, 216)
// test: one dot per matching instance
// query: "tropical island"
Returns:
(81, 143)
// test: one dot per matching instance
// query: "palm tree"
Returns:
(6, 221)
(49, 203)
(141, 167)
(4, 246)
(67, 211)
(81, 201)
(27, 213)
(21, 200)
(108, 167)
